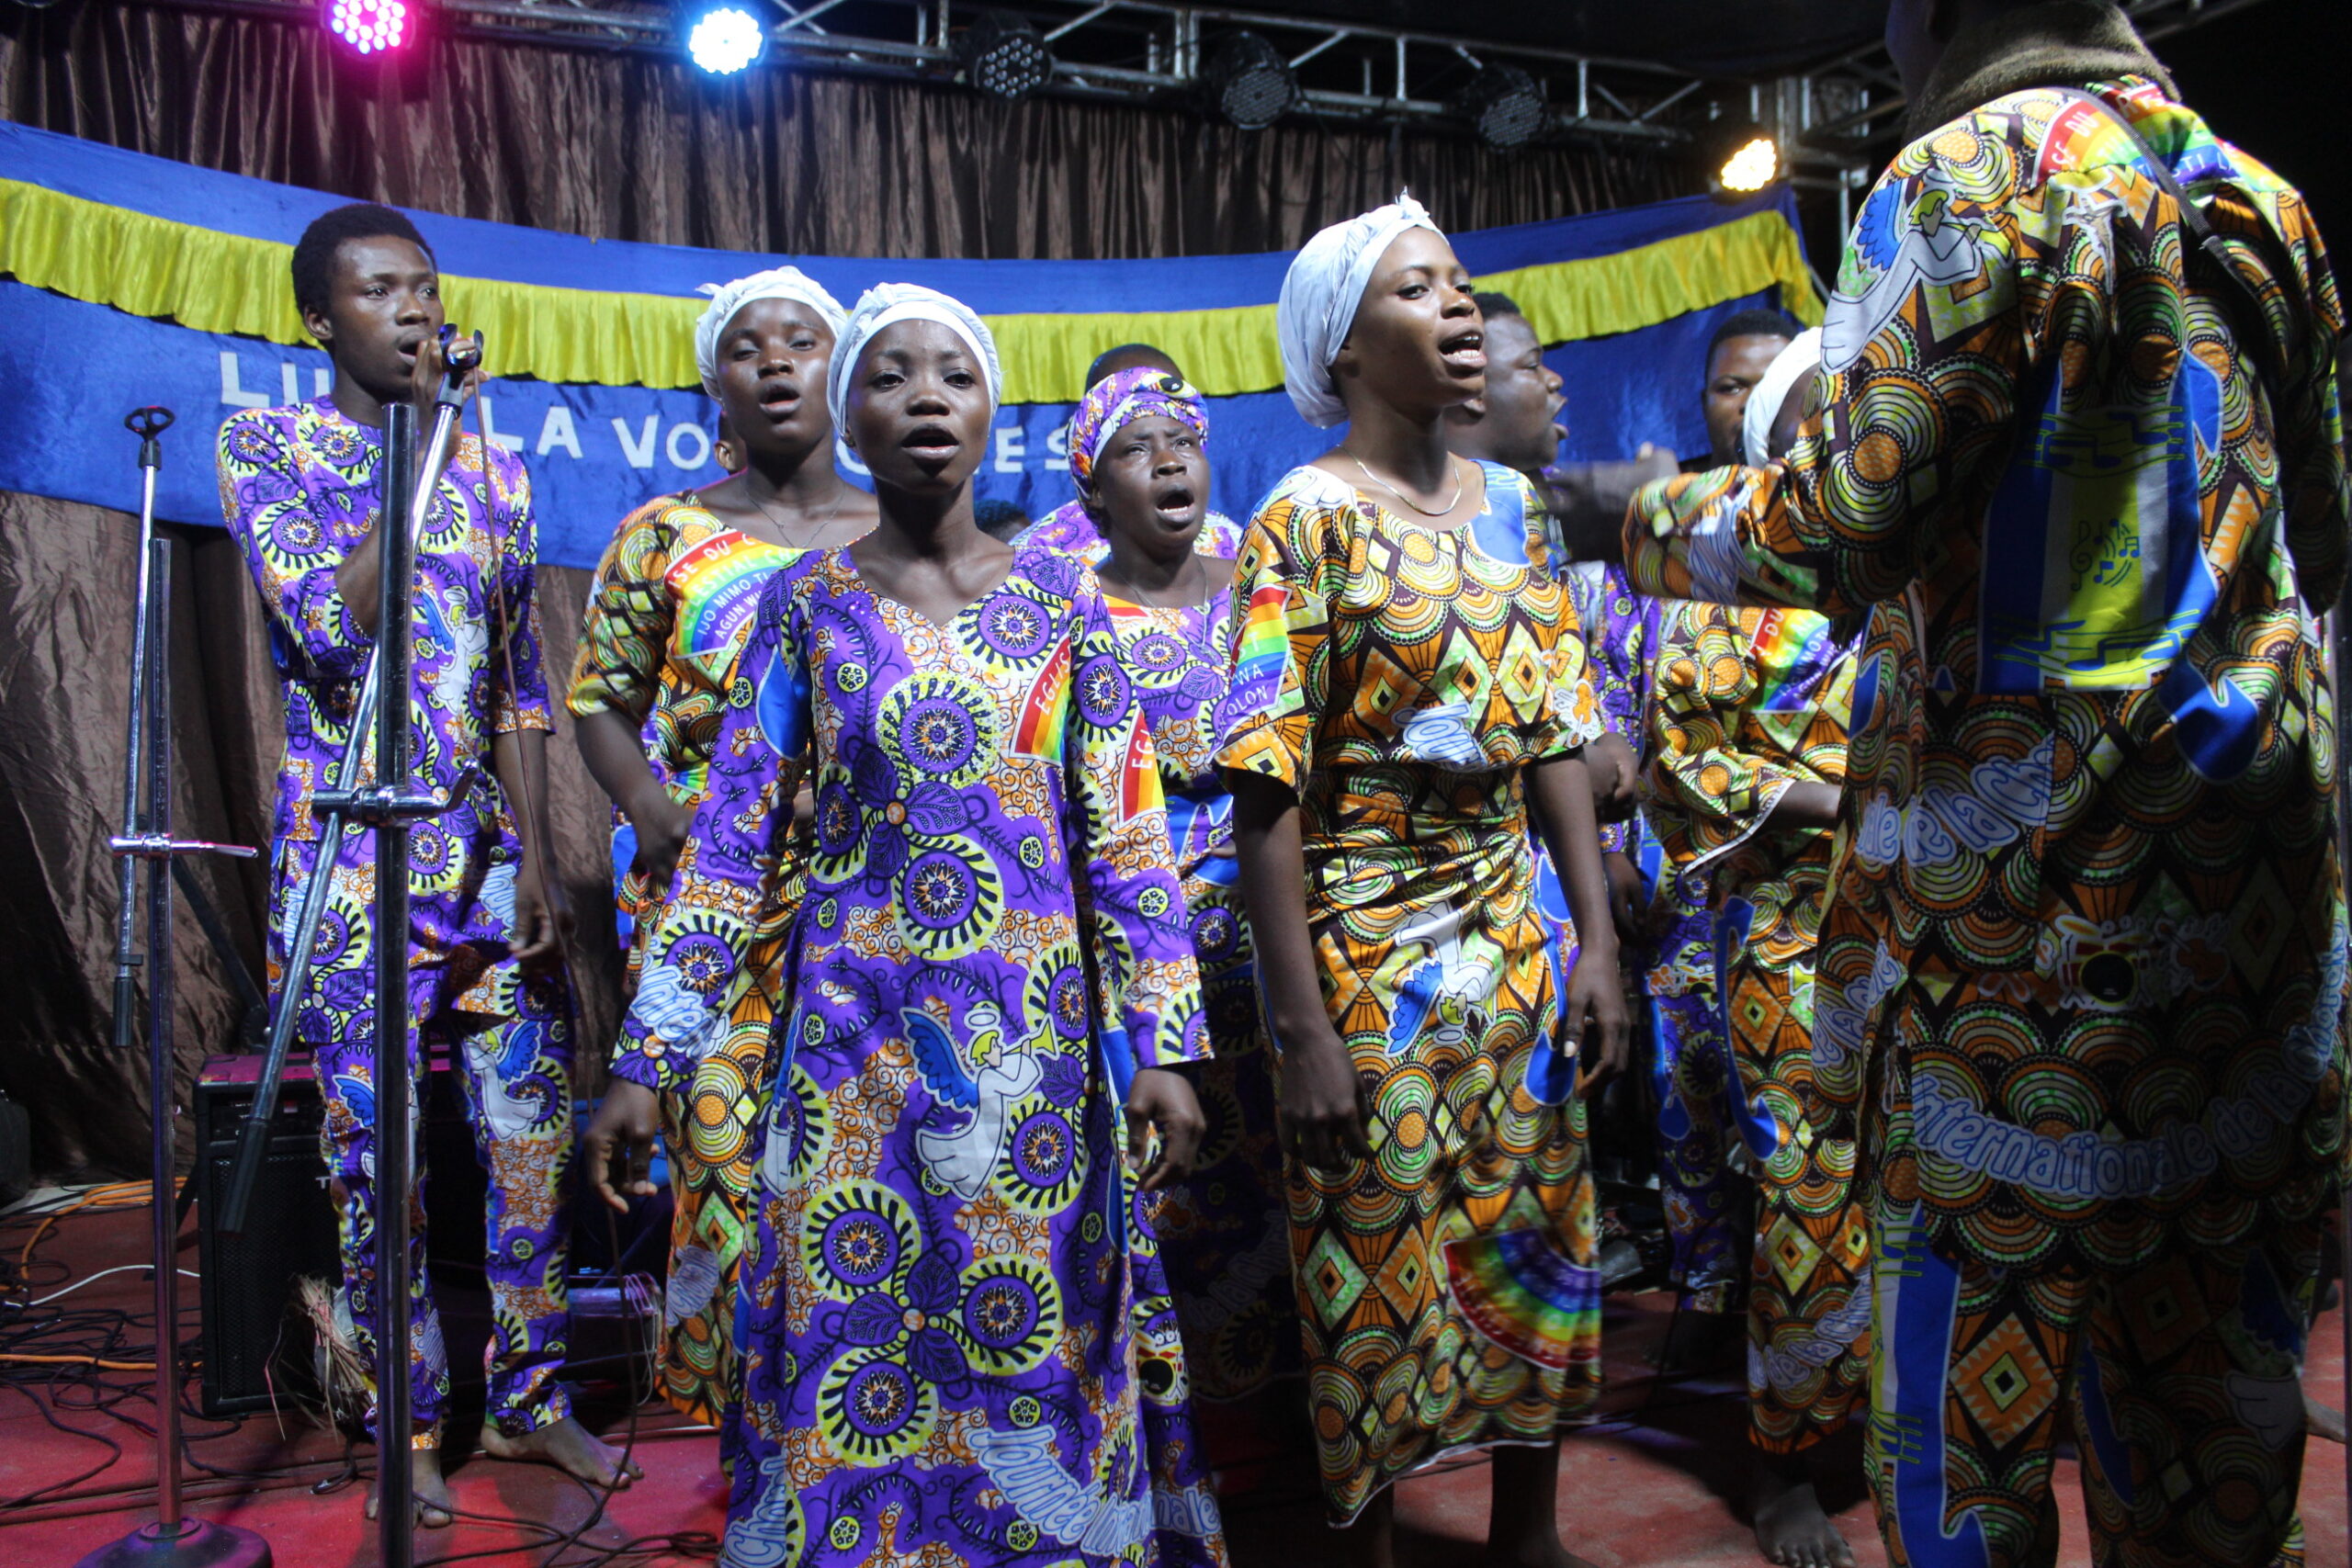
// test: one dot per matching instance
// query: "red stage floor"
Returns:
(1655, 1484)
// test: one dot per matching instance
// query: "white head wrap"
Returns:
(1320, 294)
(886, 303)
(1791, 365)
(726, 298)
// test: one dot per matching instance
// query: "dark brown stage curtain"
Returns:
(640, 146)
(67, 579)
(621, 145)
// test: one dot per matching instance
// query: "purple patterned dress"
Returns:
(1689, 1059)
(958, 1348)
(1224, 1234)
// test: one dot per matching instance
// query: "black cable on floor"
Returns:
(91, 1334)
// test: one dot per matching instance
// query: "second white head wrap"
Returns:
(1795, 363)
(888, 303)
(1320, 294)
(726, 298)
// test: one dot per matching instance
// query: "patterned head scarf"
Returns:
(1791, 365)
(726, 298)
(1119, 400)
(886, 304)
(1320, 294)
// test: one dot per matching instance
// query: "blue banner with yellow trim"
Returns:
(130, 279)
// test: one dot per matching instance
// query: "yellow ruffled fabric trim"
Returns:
(215, 282)
(1600, 296)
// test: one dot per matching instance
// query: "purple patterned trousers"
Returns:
(517, 1077)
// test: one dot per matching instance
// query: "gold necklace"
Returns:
(1445, 511)
(783, 537)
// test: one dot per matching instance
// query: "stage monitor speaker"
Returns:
(254, 1336)
(15, 1150)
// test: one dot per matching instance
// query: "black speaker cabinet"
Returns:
(15, 1150)
(253, 1334)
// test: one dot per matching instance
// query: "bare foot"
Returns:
(1703, 1342)
(1522, 1514)
(428, 1488)
(2322, 1421)
(570, 1448)
(1791, 1528)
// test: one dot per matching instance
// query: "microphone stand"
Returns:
(148, 424)
(173, 1540)
(389, 806)
(408, 497)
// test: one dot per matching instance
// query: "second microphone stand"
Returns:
(175, 1539)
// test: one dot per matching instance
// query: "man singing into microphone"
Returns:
(300, 488)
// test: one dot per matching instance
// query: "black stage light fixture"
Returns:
(1248, 83)
(1004, 57)
(1742, 159)
(1503, 104)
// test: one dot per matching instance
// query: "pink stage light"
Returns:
(371, 27)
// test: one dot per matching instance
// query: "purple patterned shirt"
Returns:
(298, 490)
(1623, 627)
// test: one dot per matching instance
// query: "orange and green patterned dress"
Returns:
(1747, 704)
(667, 614)
(1400, 678)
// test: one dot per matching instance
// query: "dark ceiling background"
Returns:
(1709, 37)
(2271, 79)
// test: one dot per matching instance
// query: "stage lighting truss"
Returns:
(1004, 57)
(723, 37)
(368, 26)
(1248, 83)
(1504, 105)
(1245, 67)
(1830, 125)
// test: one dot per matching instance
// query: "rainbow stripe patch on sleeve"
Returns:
(1045, 709)
(715, 584)
(1264, 645)
(1794, 652)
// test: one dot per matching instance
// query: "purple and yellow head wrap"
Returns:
(1117, 400)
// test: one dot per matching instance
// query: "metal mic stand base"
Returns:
(196, 1544)
(173, 1540)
